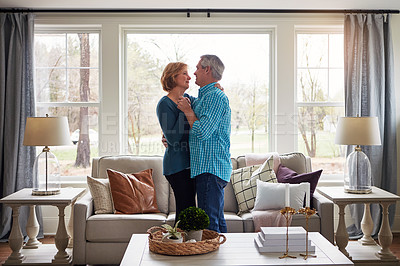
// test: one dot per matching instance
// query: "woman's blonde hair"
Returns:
(169, 74)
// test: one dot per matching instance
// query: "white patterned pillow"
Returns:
(101, 193)
(244, 182)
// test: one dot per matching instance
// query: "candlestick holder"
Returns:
(287, 212)
(307, 211)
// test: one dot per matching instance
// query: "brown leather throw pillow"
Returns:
(133, 193)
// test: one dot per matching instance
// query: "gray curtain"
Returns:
(369, 91)
(16, 104)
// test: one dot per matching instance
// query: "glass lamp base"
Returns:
(46, 174)
(358, 178)
(37, 192)
(358, 191)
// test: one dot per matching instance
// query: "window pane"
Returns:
(75, 42)
(50, 85)
(336, 52)
(312, 85)
(312, 50)
(336, 85)
(50, 50)
(67, 155)
(317, 128)
(74, 83)
(245, 80)
(72, 55)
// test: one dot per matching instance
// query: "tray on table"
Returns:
(211, 241)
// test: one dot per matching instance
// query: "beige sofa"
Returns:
(103, 238)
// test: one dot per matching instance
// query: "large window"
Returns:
(67, 84)
(246, 81)
(283, 78)
(320, 97)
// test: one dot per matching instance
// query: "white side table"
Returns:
(385, 236)
(25, 197)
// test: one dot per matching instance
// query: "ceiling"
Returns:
(215, 4)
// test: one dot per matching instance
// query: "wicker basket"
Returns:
(210, 242)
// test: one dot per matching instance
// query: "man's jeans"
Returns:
(210, 198)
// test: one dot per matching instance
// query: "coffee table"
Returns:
(239, 249)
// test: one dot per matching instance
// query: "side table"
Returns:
(385, 236)
(25, 197)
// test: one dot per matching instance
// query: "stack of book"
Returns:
(273, 239)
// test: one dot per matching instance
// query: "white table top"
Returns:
(239, 249)
(337, 194)
(25, 197)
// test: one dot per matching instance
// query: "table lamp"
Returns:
(358, 131)
(46, 131)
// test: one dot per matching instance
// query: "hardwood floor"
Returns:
(395, 247)
(5, 250)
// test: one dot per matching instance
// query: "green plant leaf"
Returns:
(193, 218)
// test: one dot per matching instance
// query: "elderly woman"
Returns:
(176, 164)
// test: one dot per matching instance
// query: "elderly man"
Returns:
(209, 117)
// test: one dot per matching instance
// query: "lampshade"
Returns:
(46, 131)
(358, 131)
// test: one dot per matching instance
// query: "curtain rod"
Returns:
(200, 10)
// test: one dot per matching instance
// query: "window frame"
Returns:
(325, 179)
(69, 29)
(199, 30)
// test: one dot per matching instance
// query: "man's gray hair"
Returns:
(216, 65)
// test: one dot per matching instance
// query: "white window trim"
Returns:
(71, 29)
(325, 179)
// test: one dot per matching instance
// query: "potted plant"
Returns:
(193, 220)
(172, 234)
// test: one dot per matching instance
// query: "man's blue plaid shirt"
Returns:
(209, 138)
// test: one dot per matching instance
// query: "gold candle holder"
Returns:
(287, 212)
(307, 211)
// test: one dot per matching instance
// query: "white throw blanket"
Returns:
(255, 158)
(269, 218)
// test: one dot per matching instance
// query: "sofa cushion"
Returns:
(260, 158)
(101, 193)
(245, 186)
(230, 202)
(120, 227)
(133, 164)
(255, 159)
(295, 161)
(133, 193)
